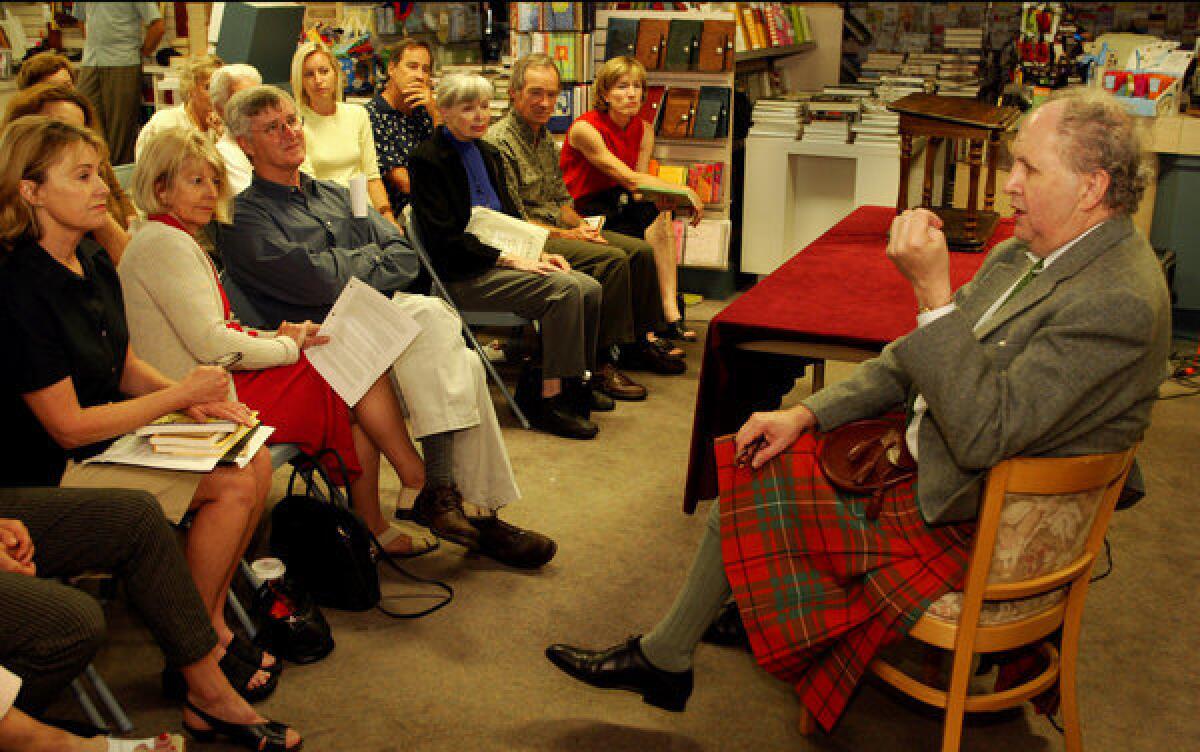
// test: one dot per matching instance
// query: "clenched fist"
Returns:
(917, 246)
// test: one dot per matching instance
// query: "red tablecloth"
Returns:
(840, 290)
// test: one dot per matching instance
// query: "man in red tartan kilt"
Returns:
(1056, 348)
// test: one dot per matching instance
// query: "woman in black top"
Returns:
(75, 385)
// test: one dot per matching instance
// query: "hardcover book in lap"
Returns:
(622, 38)
(652, 42)
(683, 44)
(712, 109)
(716, 46)
(678, 113)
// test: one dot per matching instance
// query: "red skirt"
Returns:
(821, 588)
(304, 410)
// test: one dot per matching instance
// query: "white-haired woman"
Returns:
(196, 112)
(338, 137)
(225, 82)
(452, 173)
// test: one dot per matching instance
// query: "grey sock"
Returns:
(437, 449)
(669, 646)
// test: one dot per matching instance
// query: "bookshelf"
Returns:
(707, 278)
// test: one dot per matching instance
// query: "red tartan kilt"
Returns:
(821, 588)
(303, 409)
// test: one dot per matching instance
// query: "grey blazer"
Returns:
(1069, 366)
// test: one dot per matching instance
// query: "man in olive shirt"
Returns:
(624, 266)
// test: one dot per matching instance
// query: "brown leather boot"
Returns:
(441, 510)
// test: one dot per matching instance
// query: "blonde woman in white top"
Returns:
(196, 112)
(338, 137)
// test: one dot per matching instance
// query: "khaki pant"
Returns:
(625, 269)
(443, 387)
(116, 93)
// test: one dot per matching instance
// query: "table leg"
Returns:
(931, 149)
(989, 192)
(975, 160)
(905, 165)
(950, 167)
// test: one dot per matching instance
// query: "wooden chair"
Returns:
(1004, 605)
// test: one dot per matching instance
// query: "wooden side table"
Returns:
(940, 118)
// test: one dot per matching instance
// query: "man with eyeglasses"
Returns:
(294, 244)
(624, 266)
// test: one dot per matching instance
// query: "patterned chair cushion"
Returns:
(1037, 535)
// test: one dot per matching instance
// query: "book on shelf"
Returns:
(766, 25)
(548, 16)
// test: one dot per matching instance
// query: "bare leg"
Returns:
(660, 236)
(379, 414)
(209, 690)
(227, 503)
(20, 733)
(365, 490)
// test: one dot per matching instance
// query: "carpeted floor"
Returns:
(473, 677)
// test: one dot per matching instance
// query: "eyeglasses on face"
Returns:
(274, 129)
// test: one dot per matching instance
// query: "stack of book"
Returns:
(879, 64)
(963, 39)
(778, 117)
(829, 118)
(877, 125)
(891, 88)
(500, 75)
(178, 435)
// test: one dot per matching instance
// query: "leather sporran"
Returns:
(867, 457)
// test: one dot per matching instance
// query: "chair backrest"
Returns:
(241, 305)
(1091, 483)
(124, 174)
(474, 318)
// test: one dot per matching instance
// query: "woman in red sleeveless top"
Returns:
(605, 158)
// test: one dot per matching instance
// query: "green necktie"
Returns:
(1034, 270)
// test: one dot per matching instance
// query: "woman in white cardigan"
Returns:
(179, 317)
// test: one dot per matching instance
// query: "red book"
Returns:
(654, 96)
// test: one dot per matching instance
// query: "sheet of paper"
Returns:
(366, 335)
(510, 235)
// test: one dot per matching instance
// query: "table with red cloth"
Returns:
(840, 290)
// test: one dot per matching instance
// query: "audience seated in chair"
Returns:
(606, 156)
(64, 102)
(225, 82)
(624, 266)
(74, 384)
(178, 319)
(1054, 349)
(53, 630)
(294, 244)
(403, 115)
(337, 135)
(454, 172)
(196, 112)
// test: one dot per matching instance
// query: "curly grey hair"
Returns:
(1100, 135)
(224, 78)
(249, 103)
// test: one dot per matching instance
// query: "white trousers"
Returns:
(443, 387)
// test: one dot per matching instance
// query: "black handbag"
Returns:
(330, 551)
(290, 624)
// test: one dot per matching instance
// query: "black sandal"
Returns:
(251, 654)
(270, 736)
(239, 673)
(676, 330)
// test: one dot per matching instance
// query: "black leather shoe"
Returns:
(511, 545)
(554, 415)
(727, 629)
(601, 402)
(647, 357)
(624, 666)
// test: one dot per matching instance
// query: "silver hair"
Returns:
(533, 60)
(462, 87)
(1100, 135)
(223, 79)
(249, 103)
